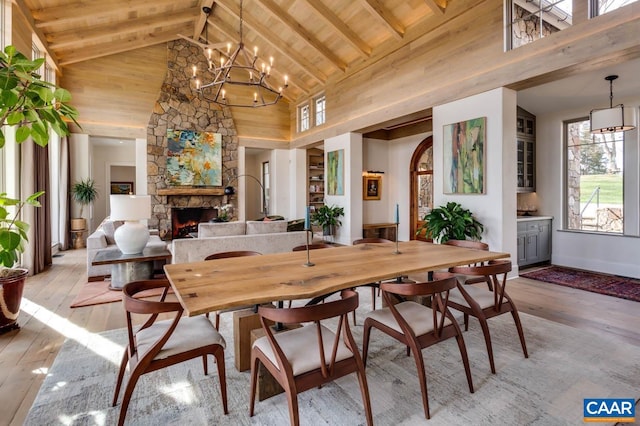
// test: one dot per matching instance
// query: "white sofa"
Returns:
(263, 237)
(102, 239)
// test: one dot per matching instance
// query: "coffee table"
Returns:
(126, 268)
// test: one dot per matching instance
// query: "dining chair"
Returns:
(418, 326)
(310, 356)
(313, 246)
(227, 255)
(373, 286)
(159, 344)
(477, 245)
(484, 304)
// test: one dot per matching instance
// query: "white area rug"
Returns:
(565, 366)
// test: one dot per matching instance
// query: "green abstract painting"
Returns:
(194, 158)
(464, 157)
(335, 172)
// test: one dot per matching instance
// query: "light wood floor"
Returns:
(46, 321)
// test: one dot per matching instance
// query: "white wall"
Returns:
(375, 156)
(351, 228)
(80, 162)
(496, 208)
(613, 254)
(299, 183)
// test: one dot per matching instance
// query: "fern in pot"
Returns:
(451, 222)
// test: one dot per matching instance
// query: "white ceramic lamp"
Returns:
(132, 237)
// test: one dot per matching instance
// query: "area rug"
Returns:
(98, 292)
(565, 366)
(611, 285)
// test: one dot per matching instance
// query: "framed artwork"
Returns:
(122, 188)
(335, 172)
(194, 158)
(371, 187)
(464, 156)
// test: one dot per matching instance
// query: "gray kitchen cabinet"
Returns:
(526, 151)
(534, 241)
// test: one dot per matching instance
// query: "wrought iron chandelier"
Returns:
(235, 69)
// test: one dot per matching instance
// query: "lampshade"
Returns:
(132, 237)
(609, 120)
(130, 207)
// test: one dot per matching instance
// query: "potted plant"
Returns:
(84, 193)
(327, 218)
(32, 106)
(451, 222)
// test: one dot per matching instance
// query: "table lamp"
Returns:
(132, 237)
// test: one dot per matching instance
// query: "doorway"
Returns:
(421, 175)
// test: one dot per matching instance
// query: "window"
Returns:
(530, 20)
(594, 179)
(319, 110)
(600, 7)
(267, 188)
(304, 117)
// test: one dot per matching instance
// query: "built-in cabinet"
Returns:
(526, 151)
(315, 177)
(534, 241)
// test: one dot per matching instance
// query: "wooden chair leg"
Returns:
(222, 376)
(364, 390)
(465, 360)
(128, 391)
(204, 365)
(123, 369)
(373, 298)
(466, 322)
(365, 343)
(422, 377)
(487, 341)
(254, 384)
(218, 321)
(516, 318)
(292, 399)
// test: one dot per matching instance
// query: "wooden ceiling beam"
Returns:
(82, 11)
(301, 32)
(272, 39)
(202, 18)
(26, 12)
(343, 31)
(437, 6)
(385, 17)
(103, 33)
(111, 48)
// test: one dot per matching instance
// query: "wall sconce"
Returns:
(612, 119)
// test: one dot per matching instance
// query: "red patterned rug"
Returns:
(611, 285)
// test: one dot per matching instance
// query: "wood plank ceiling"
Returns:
(314, 42)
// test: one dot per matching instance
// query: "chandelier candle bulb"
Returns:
(228, 48)
(194, 70)
(255, 51)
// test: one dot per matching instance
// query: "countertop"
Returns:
(527, 218)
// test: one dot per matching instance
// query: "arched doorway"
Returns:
(421, 175)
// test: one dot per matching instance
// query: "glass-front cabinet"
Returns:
(526, 151)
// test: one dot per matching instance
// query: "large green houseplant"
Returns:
(328, 218)
(32, 106)
(84, 192)
(451, 222)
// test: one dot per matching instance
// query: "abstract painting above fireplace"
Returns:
(194, 158)
(185, 220)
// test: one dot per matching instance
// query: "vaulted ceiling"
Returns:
(312, 41)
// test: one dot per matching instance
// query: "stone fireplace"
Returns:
(179, 108)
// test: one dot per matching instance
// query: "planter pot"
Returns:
(327, 230)
(10, 297)
(78, 224)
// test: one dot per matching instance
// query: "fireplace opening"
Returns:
(185, 220)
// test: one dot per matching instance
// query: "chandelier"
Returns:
(235, 69)
(612, 119)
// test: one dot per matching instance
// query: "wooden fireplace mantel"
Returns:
(191, 191)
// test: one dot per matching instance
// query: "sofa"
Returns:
(102, 239)
(261, 236)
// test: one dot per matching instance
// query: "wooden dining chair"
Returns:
(159, 344)
(476, 245)
(227, 255)
(313, 246)
(418, 326)
(373, 286)
(483, 303)
(310, 356)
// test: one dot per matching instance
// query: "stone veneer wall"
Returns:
(178, 107)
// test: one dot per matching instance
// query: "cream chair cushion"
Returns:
(266, 227)
(300, 346)
(482, 296)
(419, 317)
(190, 333)
(220, 229)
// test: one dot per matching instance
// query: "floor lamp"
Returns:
(230, 190)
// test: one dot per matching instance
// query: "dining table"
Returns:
(208, 286)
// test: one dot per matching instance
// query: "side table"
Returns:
(77, 238)
(126, 268)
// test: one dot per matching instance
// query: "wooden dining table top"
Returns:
(225, 283)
